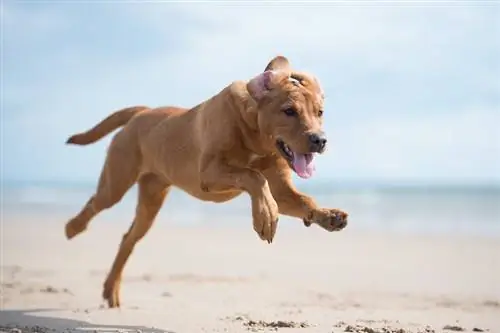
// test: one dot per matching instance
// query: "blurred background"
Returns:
(412, 101)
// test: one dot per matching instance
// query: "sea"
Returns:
(416, 208)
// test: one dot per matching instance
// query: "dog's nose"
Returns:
(318, 141)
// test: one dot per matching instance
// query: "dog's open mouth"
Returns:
(302, 164)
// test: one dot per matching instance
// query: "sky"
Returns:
(412, 89)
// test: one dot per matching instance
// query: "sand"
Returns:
(220, 279)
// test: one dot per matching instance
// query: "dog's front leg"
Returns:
(215, 176)
(293, 203)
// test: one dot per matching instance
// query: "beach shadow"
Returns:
(27, 321)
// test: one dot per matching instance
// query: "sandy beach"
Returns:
(224, 279)
(383, 109)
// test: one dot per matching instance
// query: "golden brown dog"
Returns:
(247, 138)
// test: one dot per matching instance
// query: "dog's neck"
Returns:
(247, 107)
(254, 139)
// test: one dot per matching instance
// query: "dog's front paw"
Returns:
(328, 219)
(265, 217)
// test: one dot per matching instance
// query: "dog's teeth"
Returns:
(286, 149)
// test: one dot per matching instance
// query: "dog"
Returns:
(249, 137)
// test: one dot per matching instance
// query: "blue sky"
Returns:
(413, 91)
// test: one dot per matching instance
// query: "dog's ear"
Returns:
(278, 63)
(260, 85)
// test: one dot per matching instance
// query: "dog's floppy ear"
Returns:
(278, 63)
(261, 84)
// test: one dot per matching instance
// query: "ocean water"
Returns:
(418, 208)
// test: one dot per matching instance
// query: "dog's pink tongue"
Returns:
(303, 166)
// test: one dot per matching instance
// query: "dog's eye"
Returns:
(290, 112)
(320, 113)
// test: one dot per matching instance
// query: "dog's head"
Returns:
(290, 111)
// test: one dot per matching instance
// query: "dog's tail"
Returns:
(106, 126)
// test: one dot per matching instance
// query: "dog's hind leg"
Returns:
(152, 192)
(119, 173)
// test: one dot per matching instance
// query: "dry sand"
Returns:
(215, 279)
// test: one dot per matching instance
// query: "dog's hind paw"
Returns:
(73, 228)
(110, 295)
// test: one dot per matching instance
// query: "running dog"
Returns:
(249, 137)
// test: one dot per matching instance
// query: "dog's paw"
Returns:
(265, 217)
(110, 294)
(328, 219)
(74, 228)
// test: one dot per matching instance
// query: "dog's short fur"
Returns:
(247, 138)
